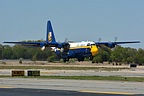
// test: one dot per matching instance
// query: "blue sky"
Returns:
(73, 19)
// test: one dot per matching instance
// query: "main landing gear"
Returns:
(80, 59)
(65, 59)
(91, 58)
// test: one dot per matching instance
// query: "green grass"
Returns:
(109, 78)
(63, 68)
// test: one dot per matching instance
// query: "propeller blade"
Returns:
(66, 40)
(115, 39)
(99, 39)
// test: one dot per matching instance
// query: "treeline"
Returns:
(31, 53)
(117, 55)
(120, 55)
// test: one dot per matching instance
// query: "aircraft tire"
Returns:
(65, 59)
(80, 59)
(91, 58)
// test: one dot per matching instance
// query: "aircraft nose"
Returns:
(94, 50)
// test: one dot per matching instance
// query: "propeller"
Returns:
(66, 40)
(99, 39)
(112, 44)
(64, 46)
(43, 48)
(116, 38)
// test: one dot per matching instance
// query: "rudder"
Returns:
(50, 35)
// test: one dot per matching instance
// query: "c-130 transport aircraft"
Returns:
(67, 50)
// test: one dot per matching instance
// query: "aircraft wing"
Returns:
(26, 43)
(36, 44)
(112, 44)
(49, 42)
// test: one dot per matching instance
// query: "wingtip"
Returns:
(137, 41)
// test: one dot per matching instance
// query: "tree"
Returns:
(130, 60)
(53, 58)
(19, 52)
(34, 58)
(97, 59)
(7, 52)
(1, 50)
(103, 55)
(118, 54)
(112, 58)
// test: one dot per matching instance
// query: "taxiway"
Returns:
(60, 87)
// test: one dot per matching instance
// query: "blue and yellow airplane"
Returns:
(67, 50)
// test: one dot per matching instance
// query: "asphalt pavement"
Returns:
(62, 87)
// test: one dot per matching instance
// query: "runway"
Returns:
(123, 73)
(59, 87)
(47, 92)
(13, 86)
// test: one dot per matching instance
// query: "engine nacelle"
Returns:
(43, 48)
(62, 50)
(111, 45)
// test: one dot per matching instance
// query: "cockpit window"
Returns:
(88, 44)
(92, 44)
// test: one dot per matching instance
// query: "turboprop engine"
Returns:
(43, 48)
(65, 47)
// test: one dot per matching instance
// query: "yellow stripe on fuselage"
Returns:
(78, 47)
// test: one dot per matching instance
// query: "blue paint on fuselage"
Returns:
(74, 53)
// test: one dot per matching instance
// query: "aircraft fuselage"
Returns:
(78, 50)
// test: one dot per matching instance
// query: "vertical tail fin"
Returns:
(50, 35)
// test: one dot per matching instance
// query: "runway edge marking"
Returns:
(100, 92)
(6, 87)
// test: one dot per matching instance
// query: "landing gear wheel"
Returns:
(66, 59)
(80, 59)
(91, 58)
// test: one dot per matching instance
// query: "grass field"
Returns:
(84, 66)
(110, 78)
(65, 68)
